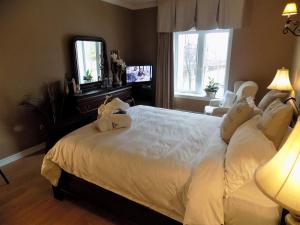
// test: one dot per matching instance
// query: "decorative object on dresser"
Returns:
(279, 179)
(118, 68)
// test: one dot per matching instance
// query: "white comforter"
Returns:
(167, 160)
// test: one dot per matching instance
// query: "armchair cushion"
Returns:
(215, 102)
(229, 99)
(247, 89)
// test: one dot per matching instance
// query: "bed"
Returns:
(169, 161)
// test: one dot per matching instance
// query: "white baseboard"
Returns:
(22, 154)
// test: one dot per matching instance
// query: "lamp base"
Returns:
(292, 220)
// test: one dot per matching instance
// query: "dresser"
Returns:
(88, 103)
(85, 110)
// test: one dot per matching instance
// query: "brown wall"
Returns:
(145, 36)
(260, 48)
(34, 49)
(145, 39)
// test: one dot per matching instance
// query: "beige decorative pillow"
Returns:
(251, 103)
(270, 97)
(235, 117)
(275, 121)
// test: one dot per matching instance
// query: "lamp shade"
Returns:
(290, 9)
(281, 81)
(279, 178)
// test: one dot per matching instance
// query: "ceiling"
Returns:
(133, 4)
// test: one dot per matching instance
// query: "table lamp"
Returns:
(279, 179)
(281, 81)
(290, 9)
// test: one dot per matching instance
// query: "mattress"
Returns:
(164, 161)
(249, 206)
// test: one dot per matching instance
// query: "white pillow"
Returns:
(229, 99)
(248, 149)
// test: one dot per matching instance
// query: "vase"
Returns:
(210, 94)
(116, 79)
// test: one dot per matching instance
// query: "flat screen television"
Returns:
(138, 74)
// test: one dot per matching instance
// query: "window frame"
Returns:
(200, 53)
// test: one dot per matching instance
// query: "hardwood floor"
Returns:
(28, 200)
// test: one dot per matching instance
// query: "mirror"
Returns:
(90, 59)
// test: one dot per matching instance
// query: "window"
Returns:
(198, 56)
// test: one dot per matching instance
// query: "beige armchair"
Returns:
(219, 107)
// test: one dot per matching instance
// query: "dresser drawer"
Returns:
(90, 103)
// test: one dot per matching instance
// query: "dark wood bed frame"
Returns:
(77, 188)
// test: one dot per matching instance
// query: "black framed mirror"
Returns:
(90, 61)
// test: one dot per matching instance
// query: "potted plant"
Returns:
(212, 88)
(88, 76)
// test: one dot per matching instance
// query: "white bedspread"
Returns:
(167, 160)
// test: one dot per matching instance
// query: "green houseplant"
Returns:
(212, 88)
(88, 76)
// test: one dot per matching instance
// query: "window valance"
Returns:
(182, 15)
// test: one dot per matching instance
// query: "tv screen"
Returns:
(138, 74)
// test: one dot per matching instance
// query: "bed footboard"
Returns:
(74, 187)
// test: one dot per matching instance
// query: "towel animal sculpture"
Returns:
(113, 115)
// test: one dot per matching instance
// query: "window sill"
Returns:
(192, 96)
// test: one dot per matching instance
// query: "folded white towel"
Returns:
(113, 121)
(115, 105)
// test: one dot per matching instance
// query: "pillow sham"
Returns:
(275, 121)
(236, 116)
(270, 97)
(248, 149)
